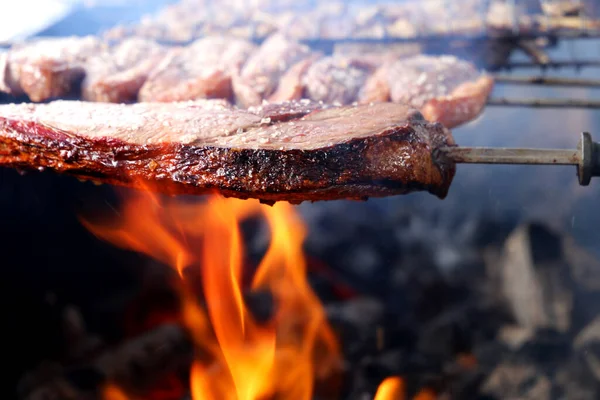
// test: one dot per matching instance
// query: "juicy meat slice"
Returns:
(336, 80)
(242, 73)
(260, 75)
(291, 84)
(286, 110)
(350, 152)
(117, 74)
(201, 70)
(446, 89)
(377, 86)
(463, 104)
(47, 68)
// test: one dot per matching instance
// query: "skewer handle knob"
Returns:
(589, 165)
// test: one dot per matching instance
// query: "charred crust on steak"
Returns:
(397, 160)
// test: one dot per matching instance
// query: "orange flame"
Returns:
(391, 388)
(426, 394)
(113, 392)
(245, 359)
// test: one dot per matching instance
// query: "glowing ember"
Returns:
(112, 392)
(426, 394)
(391, 388)
(241, 358)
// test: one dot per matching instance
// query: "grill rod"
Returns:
(586, 157)
(544, 103)
(547, 81)
(577, 64)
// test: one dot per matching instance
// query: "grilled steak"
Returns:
(261, 73)
(293, 152)
(335, 80)
(201, 70)
(445, 89)
(117, 74)
(377, 85)
(246, 75)
(291, 84)
(47, 68)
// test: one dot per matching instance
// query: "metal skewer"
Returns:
(586, 157)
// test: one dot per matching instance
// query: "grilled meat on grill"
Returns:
(335, 80)
(293, 151)
(445, 89)
(47, 68)
(261, 73)
(201, 70)
(291, 84)
(117, 74)
(246, 75)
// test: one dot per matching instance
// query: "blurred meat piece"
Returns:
(336, 80)
(116, 75)
(260, 76)
(462, 105)
(47, 68)
(304, 153)
(377, 86)
(444, 88)
(202, 70)
(291, 84)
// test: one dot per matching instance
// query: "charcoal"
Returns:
(591, 356)
(516, 380)
(337, 230)
(587, 343)
(584, 265)
(585, 269)
(362, 312)
(515, 336)
(379, 367)
(447, 335)
(467, 386)
(536, 278)
(43, 374)
(492, 231)
(359, 324)
(575, 379)
(548, 349)
(85, 378)
(589, 335)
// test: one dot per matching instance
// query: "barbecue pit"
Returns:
(425, 290)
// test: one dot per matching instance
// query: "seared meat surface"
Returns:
(298, 151)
